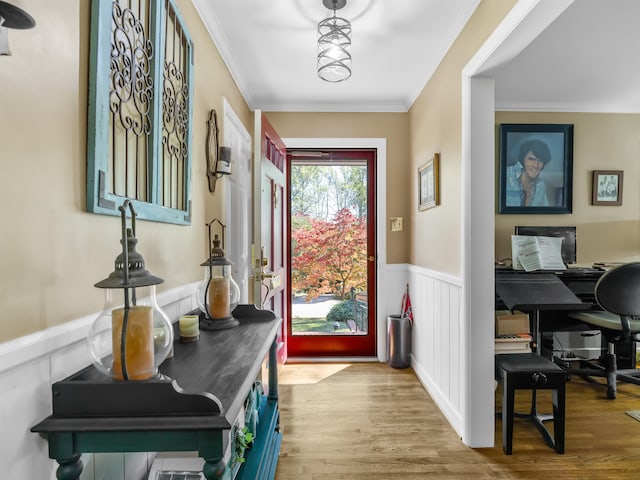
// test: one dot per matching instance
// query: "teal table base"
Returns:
(66, 447)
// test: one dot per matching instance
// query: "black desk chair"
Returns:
(618, 293)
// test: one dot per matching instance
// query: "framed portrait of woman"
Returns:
(535, 168)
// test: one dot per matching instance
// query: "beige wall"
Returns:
(436, 125)
(51, 250)
(392, 126)
(601, 142)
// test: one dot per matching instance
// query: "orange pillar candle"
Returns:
(139, 343)
(219, 298)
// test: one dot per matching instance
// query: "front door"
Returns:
(332, 259)
(269, 248)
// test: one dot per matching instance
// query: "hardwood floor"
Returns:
(369, 421)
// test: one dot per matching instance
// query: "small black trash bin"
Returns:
(398, 341)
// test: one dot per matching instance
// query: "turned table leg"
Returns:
(214, 468)
(69, 468)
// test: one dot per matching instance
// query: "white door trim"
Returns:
(526, 20)
(238, 194)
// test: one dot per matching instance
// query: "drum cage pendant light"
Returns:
(334, 45)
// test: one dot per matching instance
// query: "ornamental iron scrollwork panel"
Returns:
(130, 101)
(140, 110)
(175, 112)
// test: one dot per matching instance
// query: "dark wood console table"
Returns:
(191, 407)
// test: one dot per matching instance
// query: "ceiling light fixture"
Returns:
(334, 45)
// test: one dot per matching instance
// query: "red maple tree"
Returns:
(329, 256)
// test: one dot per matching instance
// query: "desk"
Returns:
(582, 282)
(192, 406)
(535, 292)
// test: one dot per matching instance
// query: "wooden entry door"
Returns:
(270, 288)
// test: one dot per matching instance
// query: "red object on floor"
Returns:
(405, 311)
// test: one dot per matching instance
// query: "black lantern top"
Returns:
(130, 271)
(217, 252)
(217, 255)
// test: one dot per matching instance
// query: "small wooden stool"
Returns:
(531, 371)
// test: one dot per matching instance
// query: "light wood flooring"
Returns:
(369, 421)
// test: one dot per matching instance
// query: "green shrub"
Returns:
(343, 311)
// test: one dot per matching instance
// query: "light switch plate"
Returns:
(397, 224)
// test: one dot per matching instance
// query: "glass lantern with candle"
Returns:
(218, 294)
(132, 335)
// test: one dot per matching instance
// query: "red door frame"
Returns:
(340, 345)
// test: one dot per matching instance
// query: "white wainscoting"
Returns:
(29, 366)
(436, 337)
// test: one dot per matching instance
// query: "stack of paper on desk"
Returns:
(536, 253)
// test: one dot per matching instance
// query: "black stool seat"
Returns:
(532, 372)
(525, 362)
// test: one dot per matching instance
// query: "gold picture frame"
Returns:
(429, 183)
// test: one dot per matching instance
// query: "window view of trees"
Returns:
(329, 256)
(328, 229)
(320, 191)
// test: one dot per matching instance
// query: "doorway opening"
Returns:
(332, 249)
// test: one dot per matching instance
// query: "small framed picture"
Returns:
(429, 183)
(607, 187)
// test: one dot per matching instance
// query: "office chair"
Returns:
(618, 294)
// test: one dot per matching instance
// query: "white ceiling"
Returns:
(587, 60)
(270, 48)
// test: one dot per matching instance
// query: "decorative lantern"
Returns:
(218, 294)
(132, 335)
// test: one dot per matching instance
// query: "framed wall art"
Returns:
(429, 183)
(536, 168)
(607, 187)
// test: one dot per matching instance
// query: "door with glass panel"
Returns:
(332, 256)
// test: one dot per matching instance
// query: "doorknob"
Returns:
(261, 264)
(372, 258)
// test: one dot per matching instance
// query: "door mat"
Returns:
(634, 414)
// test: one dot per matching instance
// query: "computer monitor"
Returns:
(568, 235)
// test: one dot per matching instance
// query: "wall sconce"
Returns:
(218, 158)
(12, 17)
(130, 339)
(218, 294)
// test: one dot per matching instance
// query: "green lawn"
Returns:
(319, 325)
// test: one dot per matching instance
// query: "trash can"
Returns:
(398, 341)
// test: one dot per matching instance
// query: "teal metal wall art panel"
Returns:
(127, 106)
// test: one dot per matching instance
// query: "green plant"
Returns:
(243, 440)
(343, 311)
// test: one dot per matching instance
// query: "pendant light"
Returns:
(334, 45)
